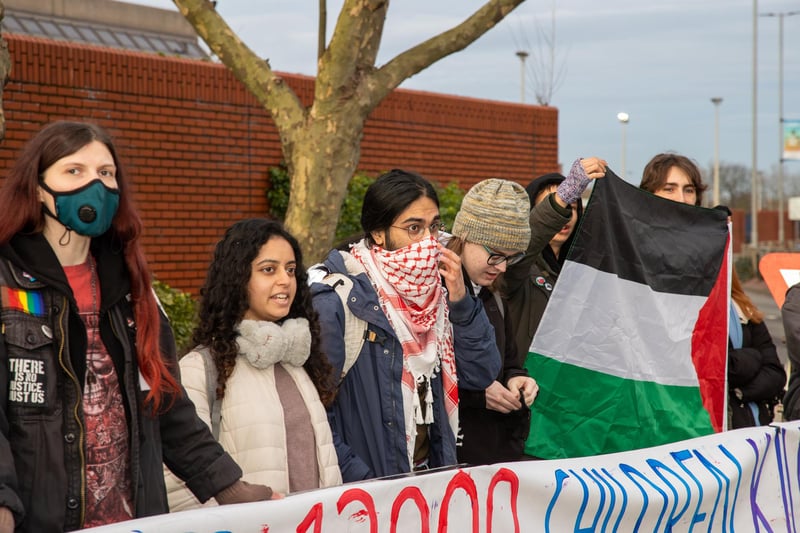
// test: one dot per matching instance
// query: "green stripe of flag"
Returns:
(606, 413)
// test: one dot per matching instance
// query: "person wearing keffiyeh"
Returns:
(396, 409)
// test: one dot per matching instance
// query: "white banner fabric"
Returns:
(742, 480)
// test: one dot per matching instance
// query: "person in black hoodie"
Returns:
(755, 375)
(790, 313)
(556, 212)
(91, 404)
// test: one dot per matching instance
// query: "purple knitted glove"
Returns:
(571, 188)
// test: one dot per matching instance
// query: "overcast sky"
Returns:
(660, 62)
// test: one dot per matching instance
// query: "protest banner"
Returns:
(742, 480)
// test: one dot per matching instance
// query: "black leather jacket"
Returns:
(42, 437)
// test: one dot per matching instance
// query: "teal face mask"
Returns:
(88, 210)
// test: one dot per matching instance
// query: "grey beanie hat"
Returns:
(495, 213)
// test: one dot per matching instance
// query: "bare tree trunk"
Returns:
(321, 143)
(318, 187)
(5, 69)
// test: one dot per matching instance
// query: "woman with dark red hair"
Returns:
(91, 400)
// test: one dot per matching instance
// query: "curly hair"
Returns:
(224, 301)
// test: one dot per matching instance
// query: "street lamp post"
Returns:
(716, 101)
(754, 174)
(623, 119)
(522, 55)
(780, 117)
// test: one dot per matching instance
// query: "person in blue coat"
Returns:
(422, 335)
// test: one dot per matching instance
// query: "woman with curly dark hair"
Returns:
(273, 383)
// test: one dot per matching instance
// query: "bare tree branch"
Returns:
(544, 68)
(322, 144)
(253, 71)
(418, 58)
(351, 52)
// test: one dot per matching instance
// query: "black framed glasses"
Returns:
(417, 231)
(495, 258)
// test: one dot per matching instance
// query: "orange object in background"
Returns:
(780, 271)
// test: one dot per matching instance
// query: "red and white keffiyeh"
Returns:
(414, 300)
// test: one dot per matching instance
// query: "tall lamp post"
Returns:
(754, 170)
(623, 119)
(780, 116)
(522, 55)
(716, 101)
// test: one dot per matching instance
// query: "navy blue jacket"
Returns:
(367, 416)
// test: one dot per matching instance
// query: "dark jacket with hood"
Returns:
(491, 436)
(42, 460)
(790, 312)
(755, 374)
(528, 284)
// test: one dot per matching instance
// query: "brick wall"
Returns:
(198, 146)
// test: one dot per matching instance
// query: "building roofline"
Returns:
(111, 12)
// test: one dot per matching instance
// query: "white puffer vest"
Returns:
(252, 429)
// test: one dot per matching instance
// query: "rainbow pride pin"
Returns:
(29, 302)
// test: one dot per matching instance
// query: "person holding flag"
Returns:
(527, 285)
(556, 209)
(637, 322)
(674, 177)
(756, 377)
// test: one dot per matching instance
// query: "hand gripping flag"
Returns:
(631, 351)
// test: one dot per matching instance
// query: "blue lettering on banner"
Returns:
(719, 476)
(668, 493)
(560, 477)
(624, 499)
(674, 517)
(679, 457)
(781, 454)
(597, 478)
(758, 515)
(584, 504)
(628, 471)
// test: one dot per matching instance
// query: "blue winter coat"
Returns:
(367, 416)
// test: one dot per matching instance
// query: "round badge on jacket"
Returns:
(542, 282)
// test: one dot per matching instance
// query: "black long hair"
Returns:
(224, 301)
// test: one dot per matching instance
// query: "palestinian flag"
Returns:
(631, 351)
